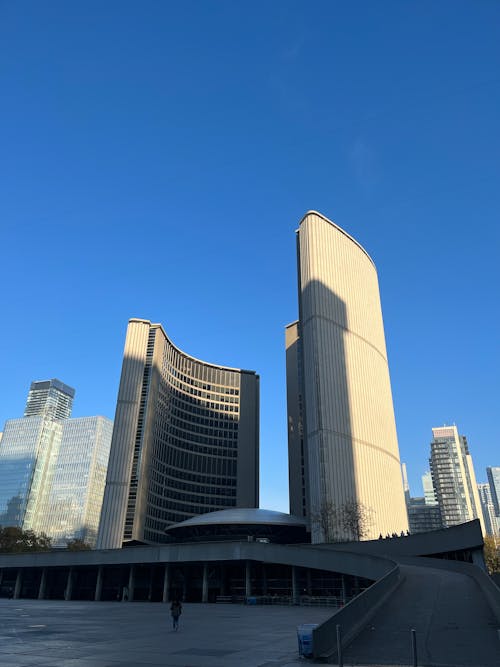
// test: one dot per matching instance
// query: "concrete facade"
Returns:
(343, 447)
(185, 439)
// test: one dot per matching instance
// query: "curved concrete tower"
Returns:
(343, 447)
(185, 440)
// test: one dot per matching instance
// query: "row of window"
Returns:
(209, 422)
(157, 504)
(189, 428)
(190, 407)
(175, 476)
(200, 375)
(194, 442)
(224, 487)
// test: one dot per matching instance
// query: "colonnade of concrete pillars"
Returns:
(247, 565)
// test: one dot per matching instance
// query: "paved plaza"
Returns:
(45, 633)
(36, 633)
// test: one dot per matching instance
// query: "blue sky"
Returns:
(157, 157)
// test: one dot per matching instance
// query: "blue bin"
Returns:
(305, 637)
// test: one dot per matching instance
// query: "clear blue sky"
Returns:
(156, 158)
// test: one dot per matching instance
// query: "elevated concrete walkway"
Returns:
(455, 626)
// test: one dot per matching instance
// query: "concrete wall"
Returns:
(351, 440)
(354, 616)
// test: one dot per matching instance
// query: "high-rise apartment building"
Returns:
(342, 440)
(453, 477)
(53, 468)
(50, 398)
(185, 439)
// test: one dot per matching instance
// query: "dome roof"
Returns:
(241, 516)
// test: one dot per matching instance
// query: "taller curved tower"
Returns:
(343, 448)
(185, 440)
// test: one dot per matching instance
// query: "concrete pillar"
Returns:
(19, 583)
(185, 583)
(98, 583)
(151, 580)
(223, 580)
(166, 583)
(1, 576)
(43, 584)
(69, 585)
(131, 583)
(264, 579)
(344, 595)
(308, 582)
(204, 587)
(248, 581)
(478, 559)
(295, 587)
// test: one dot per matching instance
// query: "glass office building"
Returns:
(422, 516)
(493, 474)
(28, 446)
(53, 468)
(70, 505)
(429, 493)
(490, 520)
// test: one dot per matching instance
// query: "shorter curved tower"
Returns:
(185, 440)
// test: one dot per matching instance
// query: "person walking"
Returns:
(176, 611)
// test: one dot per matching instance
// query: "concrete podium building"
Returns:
(343, 448)
(185, 440)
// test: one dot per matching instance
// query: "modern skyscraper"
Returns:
(68, 506)
(28, 446)
(53, 468)
(406, 486)
(185, 439)
(493, 474)
(453, 477)
(342, 441)
(429, 493)
(50, 398)
(490, 520)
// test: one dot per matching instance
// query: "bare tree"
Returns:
(356, 519)
(327, 519)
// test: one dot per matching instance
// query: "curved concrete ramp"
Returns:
(454, 623)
